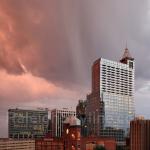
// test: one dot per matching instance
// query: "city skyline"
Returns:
(45, 51)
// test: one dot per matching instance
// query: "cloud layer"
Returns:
(29, 92)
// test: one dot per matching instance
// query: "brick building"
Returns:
(15, 144)
(72, 140)
(72, 133)
(89, 143)
(140, 134)
(49, 144)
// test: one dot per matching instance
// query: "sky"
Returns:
(47, 48)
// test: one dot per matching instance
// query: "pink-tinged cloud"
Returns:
(29, 92)
(26, 88)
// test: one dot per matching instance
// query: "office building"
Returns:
(140, 134)
(23, 124)
(13, 144)
(57, 118)
(110, 106)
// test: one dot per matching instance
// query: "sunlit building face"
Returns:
(113, 86)
(117, 92)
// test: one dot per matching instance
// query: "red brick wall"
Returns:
(109, 144)
(49, 144)
(96, 76)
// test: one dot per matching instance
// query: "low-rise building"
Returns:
(72, 139)
(49, 144)
(13, 144)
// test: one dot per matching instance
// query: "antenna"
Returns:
(126, 44)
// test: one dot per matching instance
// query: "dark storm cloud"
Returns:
(39, 37)
(59, 40)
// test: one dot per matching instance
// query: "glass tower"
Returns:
(113, 84)
(25, 124)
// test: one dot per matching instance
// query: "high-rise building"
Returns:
(24, 124)
(140, 134)
(110, 106)
(57, 118)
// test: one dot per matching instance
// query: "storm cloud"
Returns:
(47, 49)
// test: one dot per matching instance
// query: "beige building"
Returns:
(10, 144)
(57, 117)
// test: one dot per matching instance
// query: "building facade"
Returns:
(72, 133)
(11, 144)
(140, 134)
(49, 144)
(24, 124)
(110, 106)
(57, 118)
(72, 140)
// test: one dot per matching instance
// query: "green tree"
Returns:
(120, 148)
(99, 147)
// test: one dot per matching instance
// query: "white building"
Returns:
(113, 86)
(57, 118)
(117, 92)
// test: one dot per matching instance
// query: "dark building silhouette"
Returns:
(81, 115)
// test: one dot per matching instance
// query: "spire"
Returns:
(126, 56)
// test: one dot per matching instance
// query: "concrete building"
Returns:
(57, 118)
(140, 134)
(23, 124)
(110, 106)
(12, 144)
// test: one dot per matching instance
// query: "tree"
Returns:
(99, 147)
(120, 148)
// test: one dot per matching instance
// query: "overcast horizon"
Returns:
(47, 49)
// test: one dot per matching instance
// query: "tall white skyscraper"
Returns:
(113, 86)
